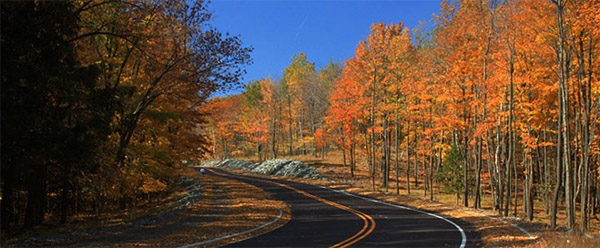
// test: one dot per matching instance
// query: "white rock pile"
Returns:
(277, 167)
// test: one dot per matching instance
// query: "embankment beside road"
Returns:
(275, 167)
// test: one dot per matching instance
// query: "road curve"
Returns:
(322, 217)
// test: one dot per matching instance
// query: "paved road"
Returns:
(326, 218)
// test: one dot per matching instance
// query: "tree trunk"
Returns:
(385, 162)
(416, 157)
(273, 138)
(36, 196)
(431, 157)
(546, 180)
(530, 201)
(498, 155)
(563, 77)
(511, 136)
(352, 158)
(397, 146)
(7, 215)
(291, 141)
(341, 130)
(408, 158)
(478, 175)
(558, 174)
(313, 131)
(64, 206)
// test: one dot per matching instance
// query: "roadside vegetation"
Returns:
(214, 208)
(496, 105)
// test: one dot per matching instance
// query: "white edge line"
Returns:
(531, 236)
(235, 234)
(462, 232)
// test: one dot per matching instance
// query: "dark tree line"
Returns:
(53, 116)
(99, 101)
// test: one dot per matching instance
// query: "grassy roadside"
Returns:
(225, 207)
(232, 207)
(493, 232)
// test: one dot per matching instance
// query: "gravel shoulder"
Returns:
(273, 167)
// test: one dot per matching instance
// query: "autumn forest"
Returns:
(500, 99)
(494, 101)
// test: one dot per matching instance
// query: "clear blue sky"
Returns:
(323, 30)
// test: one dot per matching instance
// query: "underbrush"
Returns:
(154, 202)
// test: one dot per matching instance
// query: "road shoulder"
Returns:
(225, 207)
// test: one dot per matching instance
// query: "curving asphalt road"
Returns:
(323, 217)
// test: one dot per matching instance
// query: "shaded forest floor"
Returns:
(224, 207)
(495, 231)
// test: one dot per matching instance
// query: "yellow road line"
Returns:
(369, 222)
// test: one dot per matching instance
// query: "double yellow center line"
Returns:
(368, 221)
